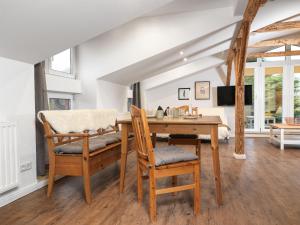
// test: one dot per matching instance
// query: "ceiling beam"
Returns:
(273, 54)
(249, 15)
(238, 54)
(279, 27)
(277, 42)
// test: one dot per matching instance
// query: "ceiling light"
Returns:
(185, 59)
(181, 52)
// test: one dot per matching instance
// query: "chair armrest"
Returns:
(68, 135)
(224, 125)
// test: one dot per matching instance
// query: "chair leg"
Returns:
(139, 183)
(197, 194)
(174, 183)
(87, 182)
(198, 148)
(51, 176)
(152, 195)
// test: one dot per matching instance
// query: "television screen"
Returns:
(226, 95)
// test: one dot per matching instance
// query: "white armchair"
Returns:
(224, 129)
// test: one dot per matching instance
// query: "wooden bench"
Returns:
(91, 158)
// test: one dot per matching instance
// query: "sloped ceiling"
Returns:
(210, 44)
(32, 30)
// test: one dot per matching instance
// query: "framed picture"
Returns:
(202, 90)
(184, 93)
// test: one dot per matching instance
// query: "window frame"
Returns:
(72, 73)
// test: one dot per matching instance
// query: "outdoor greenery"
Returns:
(297, 95)
(273, 96)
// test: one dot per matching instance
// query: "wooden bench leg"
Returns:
(51, 175)
(87, 181)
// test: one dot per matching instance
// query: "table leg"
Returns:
(216, 162)
(271, 134)
(154, 139)
(281, 139)
(124, 150)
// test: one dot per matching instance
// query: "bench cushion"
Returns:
(172, 154)
(183, 136)
(94, 144)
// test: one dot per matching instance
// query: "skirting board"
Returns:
(21, 192)
(239, 156)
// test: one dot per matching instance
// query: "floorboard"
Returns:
(262, 190)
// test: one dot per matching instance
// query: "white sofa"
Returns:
(224, 129)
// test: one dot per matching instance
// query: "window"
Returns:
(62, 64)
(58, 101)
(249, 109)
(297, 91)
(129, 97)
(273, 95)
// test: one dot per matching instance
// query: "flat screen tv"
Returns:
(226, 95)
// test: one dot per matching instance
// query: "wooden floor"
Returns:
(262, 190)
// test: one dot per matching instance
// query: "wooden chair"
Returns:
(158, 163)
(76, 154)
(186, 139)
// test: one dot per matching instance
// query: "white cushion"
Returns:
(66, 121)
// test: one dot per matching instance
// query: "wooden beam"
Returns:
(252, 9)
(276, 42)
(279, 26)
(239, 47)
(273, 54)
(249, 15)
(242, 45)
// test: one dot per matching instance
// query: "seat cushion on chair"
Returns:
(172, 154)
(183, 136)
(76, 147)
(94, 144)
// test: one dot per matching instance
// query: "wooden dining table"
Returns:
(201, 125)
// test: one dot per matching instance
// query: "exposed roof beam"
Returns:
(273, 54)
(279, 26)
(249, 15)
(277, 42)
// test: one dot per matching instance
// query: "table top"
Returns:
(285, 126)
(204, 120)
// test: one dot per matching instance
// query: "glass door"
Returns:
(272, 96)
(250, 117)
(297, 91)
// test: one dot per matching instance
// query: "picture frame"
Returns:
(202, 90)
(184, 93)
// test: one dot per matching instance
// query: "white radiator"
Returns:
(9, 166)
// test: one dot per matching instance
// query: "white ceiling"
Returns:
(32, 30)
(180, 6)
(215, 43)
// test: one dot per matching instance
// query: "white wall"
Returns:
(167, 94)
(17, 104)
(63, 84)
(111, 95)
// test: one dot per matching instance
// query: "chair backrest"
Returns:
(142, 135)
